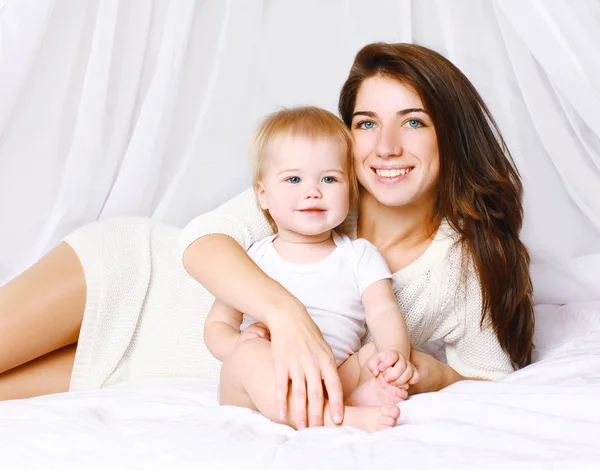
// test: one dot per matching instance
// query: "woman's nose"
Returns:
(389, 144)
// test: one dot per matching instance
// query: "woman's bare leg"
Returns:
(41, 311)
(47, 374)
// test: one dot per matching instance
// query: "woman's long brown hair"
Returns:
(479, 189)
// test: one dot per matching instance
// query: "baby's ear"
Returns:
(261, 196)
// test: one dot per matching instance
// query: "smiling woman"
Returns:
(412, 110)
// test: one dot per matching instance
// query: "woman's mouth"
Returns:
(392, 175)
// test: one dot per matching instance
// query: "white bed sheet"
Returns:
(544, 416)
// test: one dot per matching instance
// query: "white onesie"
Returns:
(330, 289)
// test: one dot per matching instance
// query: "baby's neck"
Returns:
(297, 248)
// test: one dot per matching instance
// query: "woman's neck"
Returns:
(386, 227)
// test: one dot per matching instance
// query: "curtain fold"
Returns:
(137, 107)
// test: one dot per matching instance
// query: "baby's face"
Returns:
(305, 185)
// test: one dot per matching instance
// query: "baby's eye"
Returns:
(293, 179)
(328, 179)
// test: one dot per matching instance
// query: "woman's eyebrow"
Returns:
(402, 112)
(364, 113)
(411, 110)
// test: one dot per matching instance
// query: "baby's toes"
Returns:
(389, 416)
(395, 395)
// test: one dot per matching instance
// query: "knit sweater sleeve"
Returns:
(240, 218)
(472, 349)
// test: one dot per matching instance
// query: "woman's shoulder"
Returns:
(240, 218)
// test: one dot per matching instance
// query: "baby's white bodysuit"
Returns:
(330, 289)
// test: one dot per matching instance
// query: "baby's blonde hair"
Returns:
(309, 122)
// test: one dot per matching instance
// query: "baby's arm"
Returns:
(385, 319)
(222, 329)
(390, 335)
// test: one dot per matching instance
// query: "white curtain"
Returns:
(141, 107)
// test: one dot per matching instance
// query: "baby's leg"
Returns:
(359, 385)
(248, 380)
(353, 372)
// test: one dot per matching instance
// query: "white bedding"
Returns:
(545, 416)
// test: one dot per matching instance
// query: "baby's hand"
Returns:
(392, 368)
(256, 330)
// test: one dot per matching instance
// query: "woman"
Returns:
(440, 198)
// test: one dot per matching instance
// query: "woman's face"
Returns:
(396, 152)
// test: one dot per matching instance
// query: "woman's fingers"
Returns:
(303, 356)
(299, 399)
(314, 387)
(333, 385)
(282, 380)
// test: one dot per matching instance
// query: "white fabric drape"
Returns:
(142, 107)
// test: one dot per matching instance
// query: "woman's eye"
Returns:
(367, 124)
(414, 123)
(329, 179)
(293, 179)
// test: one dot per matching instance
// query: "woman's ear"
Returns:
(261, 196)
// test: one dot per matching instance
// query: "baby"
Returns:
(304, 181)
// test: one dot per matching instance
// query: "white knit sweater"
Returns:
(437, 303)
(144, 317)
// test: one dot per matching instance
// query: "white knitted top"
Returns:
(438, 304)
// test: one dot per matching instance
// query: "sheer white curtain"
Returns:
(139, 107)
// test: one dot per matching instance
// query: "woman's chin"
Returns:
(390, 198)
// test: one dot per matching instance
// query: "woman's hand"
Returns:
(434, 375)
(302, 355)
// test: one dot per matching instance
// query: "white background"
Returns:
(139, 107)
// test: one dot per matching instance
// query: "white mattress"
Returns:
(545, 416)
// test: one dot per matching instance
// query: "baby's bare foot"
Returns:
(371, 393)
(369, 418)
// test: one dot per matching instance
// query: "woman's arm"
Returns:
(213, 249)
(434, 375)
(222, 266)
